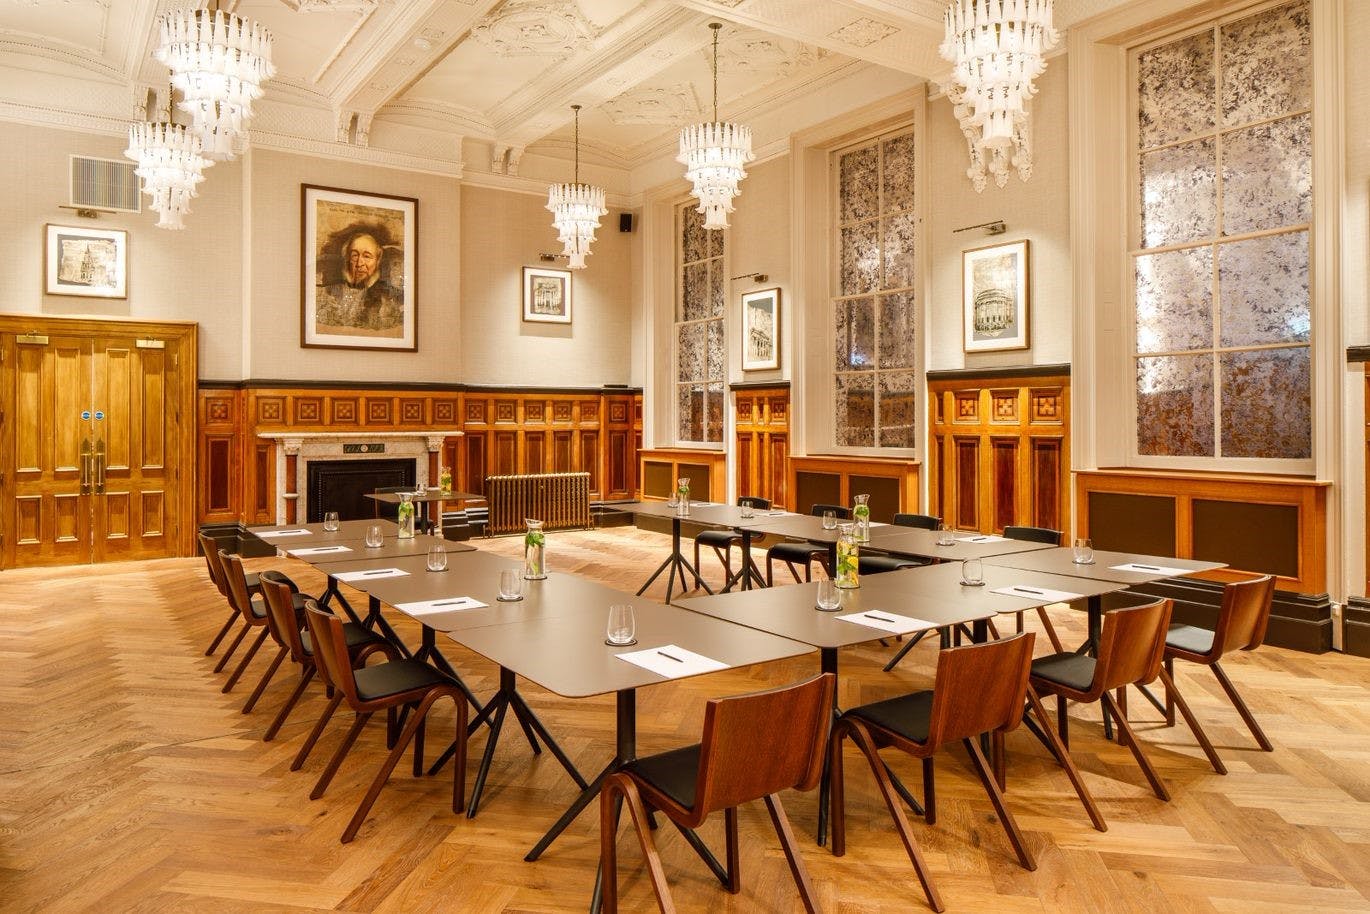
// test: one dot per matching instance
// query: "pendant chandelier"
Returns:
(171, 164)
(714, 155)
(219, 62)
(996, 48)
(575, 210)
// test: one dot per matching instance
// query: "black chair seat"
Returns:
(674, 773)
(906, 715)
(354, 634)
(878, 564)
(385, 679)
(1074, 671)
(1189, 638)
(795, 552)
(720, 538)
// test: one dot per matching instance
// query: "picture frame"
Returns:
(85, 262)
(995, 297)
(546, 295)
(358, 280)
(761, 329)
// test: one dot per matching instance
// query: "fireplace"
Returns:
(342, 485)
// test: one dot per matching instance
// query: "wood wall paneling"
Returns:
(762, 443)
(814, 479)
(661, 467)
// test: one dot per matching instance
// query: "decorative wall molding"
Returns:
(535, 28)
(863, 32)
(765, 57)
(665, 106)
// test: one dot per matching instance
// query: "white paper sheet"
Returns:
(318, 550)
(1032, 592)
(893, 623)
(267, 534)
(371, 575)
(673, 661)
(1141, 568)
(441, 605)
(983, 538)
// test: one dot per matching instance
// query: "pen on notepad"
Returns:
(1147, 567)
(367, 574)
(1027, 590)
(451, 602)
(978, 539)
(670, 657)
(881, 618)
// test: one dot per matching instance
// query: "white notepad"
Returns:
(983, 538)
(441, 605)
(270, 533)
(1141, 568)
(1030, 592)
(893, 623)
(673, 661)
(318, 550)
(371, 575)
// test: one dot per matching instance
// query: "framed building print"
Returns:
(89, 262)
(995, 297)
(546, 295)
(357, 282)
(761, 330)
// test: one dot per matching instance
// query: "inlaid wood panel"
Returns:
(1000, 452)
(827, 479)
(762, 443)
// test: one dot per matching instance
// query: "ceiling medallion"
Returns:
(714, 156)
(668, 106)
(575, 210)
(541, 28)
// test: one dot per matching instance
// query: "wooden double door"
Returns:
(97, 437)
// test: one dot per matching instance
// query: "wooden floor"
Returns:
(128, 782)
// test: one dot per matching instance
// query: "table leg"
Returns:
(1096, 622)
(827, 664)
(678, 565)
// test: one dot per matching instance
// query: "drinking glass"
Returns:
(374, 536)
(437, 558)
(829, 520)
(420, 489)
(972, 573)
(829, 597)
(747, 510)
(1083, 552)
(510, 585)
(330, 521)
(944, 537)
(622, 627)
(674, 500)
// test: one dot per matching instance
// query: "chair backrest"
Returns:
(278, 591)
(210, 547)
(763, 504)
(330, 650)
(1244, 615)
(758, 744)
(236, 580)
(1034, 535)
(921, 521)
(980, 688)
(1131, 646)
(839, 511)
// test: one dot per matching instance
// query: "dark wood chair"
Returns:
(753, 747)
(286, 623)
(795, 554)
(381, 687)
(251, 609)
(1130, 649)
(1242, 621)
(722, 541)
(1052, 538)
(210, 549)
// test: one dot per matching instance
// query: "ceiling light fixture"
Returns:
(714, 155)
(219, 61)
(575, 210)
(171, 164)
(996, 49)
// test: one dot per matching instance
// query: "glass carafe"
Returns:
(445, 480)
(406, 515)
(682, 491)
(848, 572)
(861, 513)
(534, 551)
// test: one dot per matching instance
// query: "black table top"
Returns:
(318, 536)
(358, 551)
(430, 494)
(1061, 561)
(914, 541)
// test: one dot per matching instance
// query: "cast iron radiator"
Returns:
(560, 500)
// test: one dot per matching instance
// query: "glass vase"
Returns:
(848, 571)
(406, 515)
(861, 513)
(682, 491)
(445, 480)
(534, 551)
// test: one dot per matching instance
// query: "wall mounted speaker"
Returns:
(625, 222)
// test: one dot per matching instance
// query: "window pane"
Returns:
(860, 258)
(1268, 175)
(1175, 300)
(1175, 93)
(899, 232)
(1266, 65)
(694, 293)
(714, 412)
(690, 412)
(716, 302)
(855, 418)
(1175, 405)
(690, 352)
(858, 184)
(715, 350)
(898, 178)
(855, 334)
(692, 234)
(1263, 287)
(1179, 193)
(1266, 404)
(898, 395)
(898, 331)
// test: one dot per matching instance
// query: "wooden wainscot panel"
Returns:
(763, 443)
(892, 483)
(661, 467)
(1257, 524)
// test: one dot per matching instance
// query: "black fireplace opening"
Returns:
(342, 486)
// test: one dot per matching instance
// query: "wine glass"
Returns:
(375, 537)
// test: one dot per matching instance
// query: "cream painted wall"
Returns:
(504, 232)
(1037, 210)
(759, 242)
(190, 275)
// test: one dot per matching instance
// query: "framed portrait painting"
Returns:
(88, 262)
(546, 295)
(358, 282)
(995, 297)
(761, 330)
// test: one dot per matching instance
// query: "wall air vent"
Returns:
(104, 184)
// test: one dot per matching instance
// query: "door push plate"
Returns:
(152, 344)
(32, 339)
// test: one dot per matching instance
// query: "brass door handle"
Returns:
(85, 466)
(100, 467)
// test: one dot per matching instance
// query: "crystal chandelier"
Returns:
(714, 155)
(995, 48)
(171, 163)
(219, 62)
(575, 210)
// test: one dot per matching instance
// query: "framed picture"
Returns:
(88, 262)
(547, 295)
(761, 330)
(358, 283)
(995, 297)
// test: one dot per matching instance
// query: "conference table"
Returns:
(916, 541)
(423, 498)
(676, 561)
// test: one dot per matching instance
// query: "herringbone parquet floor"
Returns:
(128, 782)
